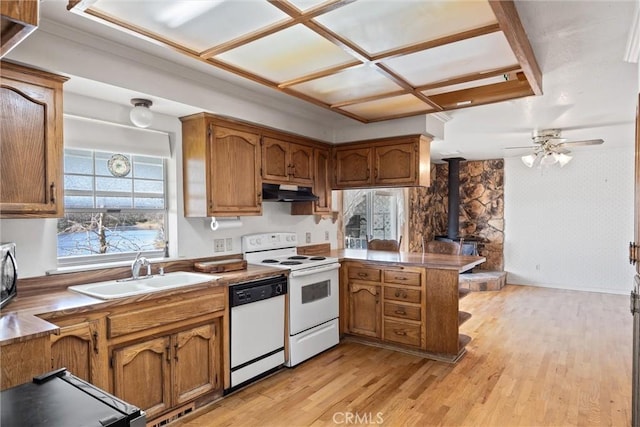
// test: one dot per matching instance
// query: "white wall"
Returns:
(188, 237)
(570, 227)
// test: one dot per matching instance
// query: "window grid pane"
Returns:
(107, 215)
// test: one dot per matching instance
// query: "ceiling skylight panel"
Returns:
(305, 5)
(488, 52)
(195, 24)
(287, 54)
(466, 85)
(353, 83)
(378, 26)
(392, 106)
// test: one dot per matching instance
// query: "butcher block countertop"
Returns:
(31, 316)
(445, 262)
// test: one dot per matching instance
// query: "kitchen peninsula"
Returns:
(407, 301)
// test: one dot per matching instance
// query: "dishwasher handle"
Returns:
(315, 270)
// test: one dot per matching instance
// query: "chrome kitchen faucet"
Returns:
(140, 261)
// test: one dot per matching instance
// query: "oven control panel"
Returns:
(266, 241)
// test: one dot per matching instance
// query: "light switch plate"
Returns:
(308, 237)
(229, 244)
(218, 245)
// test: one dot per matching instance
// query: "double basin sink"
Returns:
(113, 289)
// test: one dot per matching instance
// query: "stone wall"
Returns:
(481, 209)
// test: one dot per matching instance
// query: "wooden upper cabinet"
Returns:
(221, 168)
(390, 162)
(31, 143)
(394, 164)
(18, 19)
(286, 162)
(352, 167)
(321, 186)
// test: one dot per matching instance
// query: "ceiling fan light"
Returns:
(548, 159)
(140, 114)
(528, 160)
(563, 159)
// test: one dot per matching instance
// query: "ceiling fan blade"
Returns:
(520, 148)
(582, 143)
(561, 150)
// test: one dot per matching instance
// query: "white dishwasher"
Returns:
(257, 329)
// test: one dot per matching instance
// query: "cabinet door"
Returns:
(234, 173)
(142, 375)
(275, 160)
(77, 349)
(395, 165)
(197, 361)
(321, 185)
(353, 167)
(31, 146)
(364, 309)
(301, 163)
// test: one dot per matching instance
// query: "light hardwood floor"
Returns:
(539, 357)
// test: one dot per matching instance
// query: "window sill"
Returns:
(101, 266)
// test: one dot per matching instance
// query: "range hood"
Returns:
(287, 193)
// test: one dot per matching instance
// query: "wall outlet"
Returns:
(326, 236)
(218, 245)
(307, 237)
(229, 244)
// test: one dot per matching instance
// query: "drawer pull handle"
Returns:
(402, 312)
(168, 356)
(95, 342)
(175, 352)
(398, 332)
(361, 274)
(400, 278)
(397, 294)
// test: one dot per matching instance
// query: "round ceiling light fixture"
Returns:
(140, 114)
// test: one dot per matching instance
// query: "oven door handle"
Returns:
(310, 271)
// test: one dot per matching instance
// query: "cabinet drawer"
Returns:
(402, 277)
(363, 273)
(402, 294)
(151, 317)
(403, 333)
(402, 311)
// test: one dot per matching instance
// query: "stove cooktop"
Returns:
(279, 250)
(296, 261)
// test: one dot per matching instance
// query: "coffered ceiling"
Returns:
(368, 60)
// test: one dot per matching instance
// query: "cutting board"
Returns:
(220, 266)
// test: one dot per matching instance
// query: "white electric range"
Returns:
(313, 292)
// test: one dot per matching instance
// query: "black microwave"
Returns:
(8, 272)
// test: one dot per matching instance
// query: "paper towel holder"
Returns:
(225, 223)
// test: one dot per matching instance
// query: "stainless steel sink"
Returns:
(123, 288)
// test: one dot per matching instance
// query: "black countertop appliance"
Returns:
(59, 398)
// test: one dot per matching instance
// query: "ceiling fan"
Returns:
(550, 148)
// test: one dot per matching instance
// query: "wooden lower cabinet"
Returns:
(21, 361)
(200, 346)
(364, 309)
(81, 348)
(405, 306)
(161, 373)
(142, 375)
